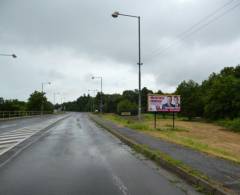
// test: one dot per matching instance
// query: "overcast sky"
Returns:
(68, 41)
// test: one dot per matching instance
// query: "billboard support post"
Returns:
(173, 119)
(155, 120)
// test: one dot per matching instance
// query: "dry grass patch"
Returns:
(206, 137)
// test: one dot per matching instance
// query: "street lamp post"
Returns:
(115, 15)
(12, 55)
(94, 91)
(62, 101)
(101, 101)
(54, 97)
(42, 106)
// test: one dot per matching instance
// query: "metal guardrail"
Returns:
(18, 114)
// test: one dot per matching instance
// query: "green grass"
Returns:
(233, 125)
(138, 126)
(127, 122)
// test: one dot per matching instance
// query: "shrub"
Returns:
(127, 106)
(233, 125)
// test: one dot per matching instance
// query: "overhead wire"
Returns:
(197, 27)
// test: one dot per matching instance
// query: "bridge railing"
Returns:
(18, 114)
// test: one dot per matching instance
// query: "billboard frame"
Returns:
(162, 111)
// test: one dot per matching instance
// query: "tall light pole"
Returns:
(115, 15)
(62, 101)
(94, 91)
(101, 101)
(42, 106)
(54, 97)
(12, 55)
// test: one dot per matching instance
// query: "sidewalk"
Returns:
(220, 170)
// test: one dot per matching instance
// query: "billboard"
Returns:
(164, 103)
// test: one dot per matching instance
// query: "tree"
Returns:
(12, 105)
(130, 95)
(222, 99)
(110, 102)
(35, 101)
(191, 102)
(127, 106)
(84, 103)
(160, 92)
(144, 98)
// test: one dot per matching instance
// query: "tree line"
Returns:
(33, 103)
(217, 97)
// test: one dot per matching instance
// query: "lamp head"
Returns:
(115, 14)
(14, 56)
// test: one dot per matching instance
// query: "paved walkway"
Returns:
(223, 171)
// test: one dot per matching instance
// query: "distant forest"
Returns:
(218, 97)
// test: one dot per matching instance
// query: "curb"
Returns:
(13, 152)
(208, 186)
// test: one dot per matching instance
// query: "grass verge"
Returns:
(201, 136)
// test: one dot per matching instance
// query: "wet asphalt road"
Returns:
(78, 158)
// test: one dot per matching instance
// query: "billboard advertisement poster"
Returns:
(164, 103)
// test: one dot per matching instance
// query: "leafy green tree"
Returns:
(84, 103)
(191, 101)
(144, 97)
(12, 105)
(160, 92)
(222, 99)
(35, 101)
(127, 106)
(110, 102)
(130, 95)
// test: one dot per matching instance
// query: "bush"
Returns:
(233, 125)
(126, 106)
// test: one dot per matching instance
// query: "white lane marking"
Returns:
(94, 151)
(11, 138)
(8, 142)
(4, 146)
(16, 135)
(118, 182)
(6, 126)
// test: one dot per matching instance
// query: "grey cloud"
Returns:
(47, 31)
